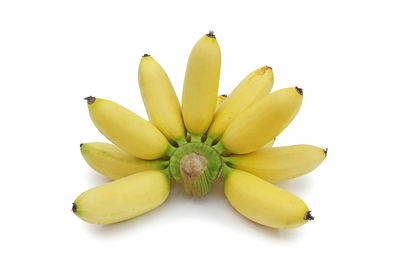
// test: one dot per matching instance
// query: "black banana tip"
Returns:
(81, 144)
(299, 90)
(74, 207)
(326, 152)
(146, 55)
(224, 95)
(90, 99)
(308, 216)
(211, 34)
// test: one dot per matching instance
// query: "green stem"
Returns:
(209, 141)
(195, 138)
(181, 140)
(170, 150)
(220, 147)
(226, 172)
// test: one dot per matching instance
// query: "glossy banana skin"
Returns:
(200, 88)
(249, 132)
(277, 164)
(263, 202)
(122, 199)
(115, 163)
(160, 100)
(251, 89)
(127, 130)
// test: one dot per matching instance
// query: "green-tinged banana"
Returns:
(123, 199)
(115, 163)
(160, 100)
(127, 130)
(251, 89)
(263, 202)
(261, 122)
(220, 100)
(279, 163)
(200, 88)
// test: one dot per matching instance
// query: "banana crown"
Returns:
(206, 139)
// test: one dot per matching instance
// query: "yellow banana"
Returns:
(253, 87)
(127, 130)
(269, 144)
(115, 163)
(263, 202)
(122, 199)
(261, 122)
(160, 100)
(279, 163)
(200, 88)
(220, 100)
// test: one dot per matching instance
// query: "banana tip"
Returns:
(299, 90)
(74, 207)
(308, 216)
(326, 152)
(211, 34)
(224, 95)
(146, 55)
(81, 144)
(90, 99)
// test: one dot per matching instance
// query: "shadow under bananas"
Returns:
(212, 208)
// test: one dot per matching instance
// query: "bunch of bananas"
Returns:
(209, 137)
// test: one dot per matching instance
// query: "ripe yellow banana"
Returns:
(263, 202)
(115, 163)
(261, 122)
(160, 100)
(127, 130)
(123, 199)
(200, 88)
(220, 100)
(279, 163)
(251, 89)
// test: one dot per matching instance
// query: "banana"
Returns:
(220, 100)
(253, 87)
(200, 88)
(279, 163)
(160, 100)
(115, 163)
(123, 199)
(127, 130)
(261, 122)
(263, 202)
(269, 144)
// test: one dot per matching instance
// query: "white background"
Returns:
(345, 55)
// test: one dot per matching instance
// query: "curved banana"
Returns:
(279, 163)
(127, 130)
(122, 199)
(115, 163)
(261, 122)
(253, 87)
(263, 202)
(160, 100)
(200, 88)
